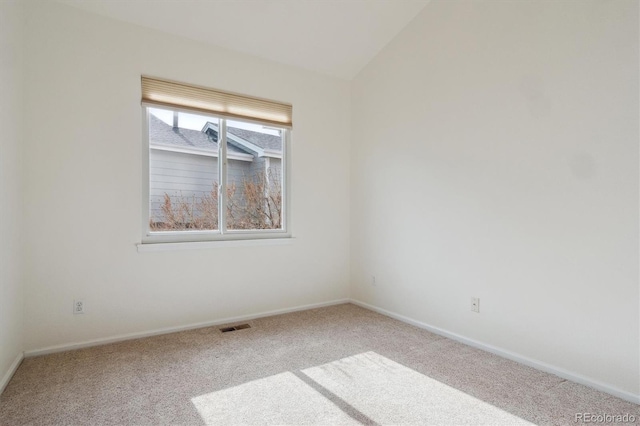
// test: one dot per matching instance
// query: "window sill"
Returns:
(203, 245)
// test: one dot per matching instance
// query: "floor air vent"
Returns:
(234, 328)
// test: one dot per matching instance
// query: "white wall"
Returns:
(495, 155)
(83, 185)
(11, 302)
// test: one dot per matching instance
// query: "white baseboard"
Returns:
(167, 330)
(12, 370)
(539, 365)
(560, 372)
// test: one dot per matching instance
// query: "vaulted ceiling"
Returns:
(334, 37)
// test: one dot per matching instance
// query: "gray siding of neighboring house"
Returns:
(237, 171)
(257, 166)
(275, 164)
(191, 176)
(178, 175)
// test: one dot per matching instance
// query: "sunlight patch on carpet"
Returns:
(390, 393)
(280, 399)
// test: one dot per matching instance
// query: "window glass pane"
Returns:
(183, 171)
(254, 176)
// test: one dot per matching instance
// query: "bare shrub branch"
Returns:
(256, 205)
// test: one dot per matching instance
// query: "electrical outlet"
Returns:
(475, 304)
(78, 307)
(373, 281)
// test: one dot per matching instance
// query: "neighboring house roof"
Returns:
(263, 140)
(160, 133)
(255, 143)
(240, 141)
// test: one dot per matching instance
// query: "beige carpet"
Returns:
(336, 365)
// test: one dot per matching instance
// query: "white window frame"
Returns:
(222, 234)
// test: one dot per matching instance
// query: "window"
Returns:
(213, 173)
